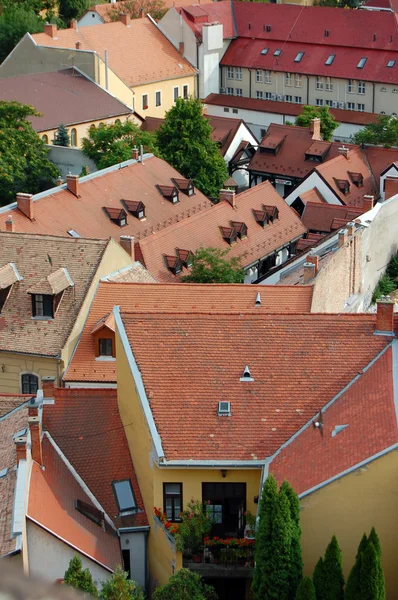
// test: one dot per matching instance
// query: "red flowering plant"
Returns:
(194, 527)
(228, 542)
(171, 527)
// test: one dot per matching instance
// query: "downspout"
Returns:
(373, 97)
(250, 83)
(106, 70)
(308, 89)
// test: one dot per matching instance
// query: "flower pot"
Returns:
(197, 558)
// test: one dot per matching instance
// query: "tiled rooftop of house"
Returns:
(328, 217)
(65, 96)
(10, 402)
(380, 158)
(298, 363)
(347, 438)
(175, 298)
(213, 12)
(211, 227)
(135, 273)
(36, 259)
(123, 44)
(106, 10)
(86, 425)
(59, 211)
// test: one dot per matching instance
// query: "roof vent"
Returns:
(246, 375)
(224, 409)
(338, 428)
(258, 299)
(268, 28)
(326, 33)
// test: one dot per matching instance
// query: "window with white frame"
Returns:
(361, 87)
(328, 84)
(239, 92)
(319, 83)
(158, 98)
(259, 76)
(319, 102)
(350, 86)
(267, 77)
(289, 98)
(350, 105)
(329, 103)
(259, 95)
(175, 93)
(361, 107)
(230, 73)
(185, 91)
(267, 96)
(238, 73)
(297, 99)
(298, 82)
(230, 91)
(288, 79)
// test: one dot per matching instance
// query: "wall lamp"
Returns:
(223, 472)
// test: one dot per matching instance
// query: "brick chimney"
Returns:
(309, 270)
(78, 45)
(34, 421)
(135, 154)
(181, 48)
(73, 24)
(10, 225)
(385, 315)
(20, 448)
(125, 19)
(72, 184)
(343, 237)
(229, 196)
(314, 259)
(127, 243)
(390, 187)
(48, 387)
(25, 205)
(344, 151)
(368, 202)
(315, 129)
(51, 30)
(350, 228)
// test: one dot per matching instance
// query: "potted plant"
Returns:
(195, 525)
(250, 529)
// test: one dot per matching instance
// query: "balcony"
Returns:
(222, 560)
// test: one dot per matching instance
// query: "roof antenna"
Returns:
(318, 423)
(258, 299)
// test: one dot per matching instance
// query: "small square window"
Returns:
(124, 495)
(226, 109)
(390, 64)
(105, 347)
(42, 305)
(235, 111)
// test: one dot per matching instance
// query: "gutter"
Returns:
(216, 464)
(143, 528)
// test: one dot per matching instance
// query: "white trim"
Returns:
(18, 508)
(104, 358)
(215, 464)
(92, 385)
(157, 442)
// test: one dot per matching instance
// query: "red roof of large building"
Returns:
(326, 217)
(213, 12)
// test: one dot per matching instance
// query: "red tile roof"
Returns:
(174, 298)
(321, 217)
(104, 9)
(52, 495)
(9, 402)
(66, 96)
(194, 361)
(380, 158)
(86, 425)
(311, 458)
(213, 12)
(203, 230)
(107, 188)
(313, 195)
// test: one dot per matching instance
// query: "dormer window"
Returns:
(174, 264)
(240, 229)
(272, 212)
(356, 178)
(117, 215)
(261, 217)
(104, 337)
(8, 276)
(185, 257)
(229, 235)
(343, 185)
(89, 511)
(185, 185)
(170, 192)
(4, 293)
(48, 292)
(137, 209)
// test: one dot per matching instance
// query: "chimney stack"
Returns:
(368, 202)
(135, 154)
(25, 205)
(125, 19)
(350, 228)
(51, 30)
(72, 184)
(78, 45)
(309, 271)
(20, 448)
(385, 315)
(73, 24)
(10, 226)
(314, 259)
(127, 243)
(315, 129)
(390, 187)
(181, 48)
(34, 421)
(343, 237)
(344, 151)
(229, 196)
(48, 387)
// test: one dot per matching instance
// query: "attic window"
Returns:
(124, 494)
(169, 192)
(174, 264)
(42, 305)
(299, 57)
(264, 51)
(184, 185)
(261, 217)
(89, 511)
(277, 52)
(229, 235)
(343, 185)
(224, 409)
(116, 215)
(390, 64)
(330, 59)
(240, 229)
(362, 63)
(185, 257)
(356, 178)
(137, 209)
(272, 212)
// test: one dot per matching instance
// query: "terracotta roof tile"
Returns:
(320, 217)
(212, 12)
(136, 273)
(103, 9)
(174, 298)
(313, 195)
(298, 363)
(8, 275)
(311, 458)
(9, 402)
(380, 158)
(56, 282)
(162, 62)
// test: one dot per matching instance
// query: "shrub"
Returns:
(185, 585)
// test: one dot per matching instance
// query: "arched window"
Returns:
(29, 383)
(45, 138)
(73, 137)
(117, 122)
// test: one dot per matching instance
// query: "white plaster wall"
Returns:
(49, 557)
(90, 18)
(135, 542)
(392, 172)
(176, 30)
(243, 133)
(310, 182)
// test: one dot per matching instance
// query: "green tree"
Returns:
(119, 587)
(184, 141)
(353, 585)
(78, 578)
(15, 21)
(374, 538)
(24, 166)
(136, 8)
(183, 585)
(383, 132)
(278, 584)
(72, 9)
(319, 580)
(328, 123)
(306, 590)
(372, 577)
(61, 137)
(109, 145)
(210, 265)
(295, 566)
(328, 574)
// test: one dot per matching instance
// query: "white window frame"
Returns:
(350, 105)
(289, 98)
(230, 91)
(298, 81)
(350, 86)
(259, 76)
(288, 79)
(328, 84)
(238, 73)
(361, 87)
(298, 99)
(142, 101)
(267, 95)
(259, 95)
(361, 107)
(176, 87)
(239, 92)
(319, 102)
(267, 77)
(230, 72)
(156, 95)
(319, 83)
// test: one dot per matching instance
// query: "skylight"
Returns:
(264, 51)
(330, 59)
(361, 63)
(224, 409)
(299, 57)
(390, 64)
(277, 52)
(124, 495)
(73, 233)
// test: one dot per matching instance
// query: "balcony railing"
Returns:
(220, 555)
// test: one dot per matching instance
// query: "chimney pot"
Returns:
(20, 448)
(135, 154)
(72, 184)
(35, 437)
(343, 237)
(10, 226)
(314, 259)
(229, 196)
(48, 386)
(127, 243)
(50, 29)
(368, 202)
(344, 151)
(25, 205)
(309, 271)
(390, 187)
(350, 228)
(385, 315)
(73, 24)
(78, 45)
(125, 19)
(315, 129)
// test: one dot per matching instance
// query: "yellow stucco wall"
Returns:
(167, 95)
(116, 86)
(12, 366)
(350, 507)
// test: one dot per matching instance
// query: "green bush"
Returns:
(306, 590)
(385, 286)
(194, 527)
(185, 585)
(78, 578)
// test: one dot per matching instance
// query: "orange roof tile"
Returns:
(191, 361)
(311, 458)
(9, 402)
(322, 217)
(313, 195)
(126, 47)
(174, 298)
(203, 230)
(104, 9)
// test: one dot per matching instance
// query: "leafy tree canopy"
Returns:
(328, 123)
(78, 578)
(108, 145)
(136, 8)
(306, 590)
(210, 265)
(184, 141)
(24, 166)
(15, 21)
(383, 132)
(72, 9)
(119, 587)
(183, 585)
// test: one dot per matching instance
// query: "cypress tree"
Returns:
(296, 561)
(306, 590)
(374, 538)
(353, 585)
(318, 579)
(333, 570)
(61, 137)
(278, 579)
(370, 575)
(78, 578)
